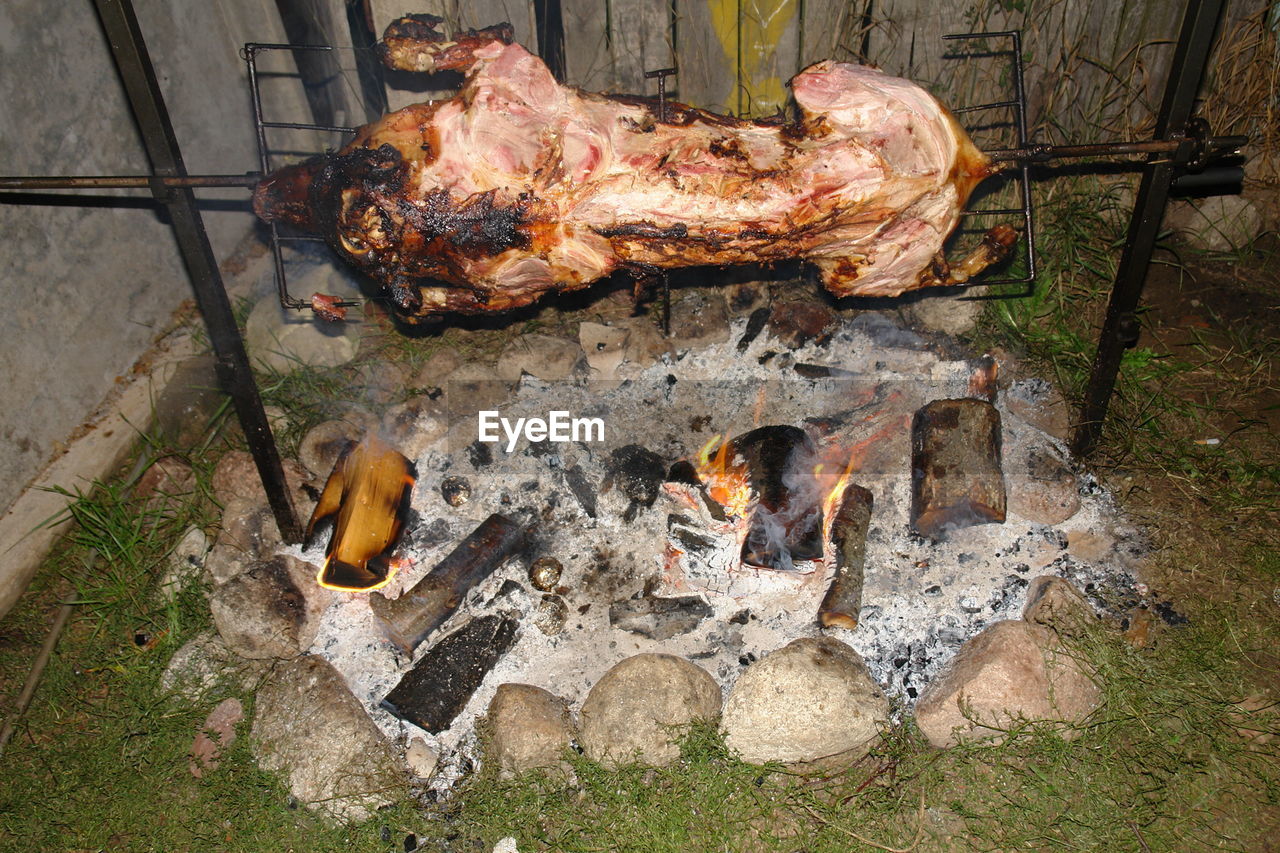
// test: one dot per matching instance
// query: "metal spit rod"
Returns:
(133, 63)
(115, 182)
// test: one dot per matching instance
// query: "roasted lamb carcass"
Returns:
(518, 186)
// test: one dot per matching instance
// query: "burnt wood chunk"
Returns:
(843, 601)
(659, 618)
(419, 611)
(366, 499)
(440, 684)
(786, 524)
(956, 476)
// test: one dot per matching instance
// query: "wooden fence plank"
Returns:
(769, 54)
(707, 53)
(641, 41)
(586, 45)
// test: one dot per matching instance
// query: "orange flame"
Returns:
(723, 473)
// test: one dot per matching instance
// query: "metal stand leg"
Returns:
(1120, 329)
(232, 363)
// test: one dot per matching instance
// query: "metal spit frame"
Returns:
(1180, 142)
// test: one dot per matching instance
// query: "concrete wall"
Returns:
(87, 288)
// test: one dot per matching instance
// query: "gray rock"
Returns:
(659, 618)
(421, 759)
(1220, 223)
(283, 340)
(810, 703)
(1039, 403)
(605, 348)
(473, 388)
(1041, 486)
(796, 322)
(414, 425)
(1012, 671)
(236, 476)
(550, 359)
(637, 708)
(204, 663)
(271, 610)
(944, 310)
(166, 484)
(645, 343)
(384, 381)
(699, 318)
(183, 566)
(529, 729)
(308, 727)
(248, 535)
(436, 369)
(1056, 604)
(323, 443)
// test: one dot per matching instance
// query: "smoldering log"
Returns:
(366, 499)
(439, 685)
(777, 457)
(843, 601)
(419, 611)
(956, 475)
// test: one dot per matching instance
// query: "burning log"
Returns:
(956, 475)
(768, 473)
(843, 601)
(367, 499)
(439, 686)
(419, 611)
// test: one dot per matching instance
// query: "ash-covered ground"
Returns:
(921, 599)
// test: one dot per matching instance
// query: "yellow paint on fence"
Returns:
(750, 32)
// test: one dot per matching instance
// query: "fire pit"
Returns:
(738, 496)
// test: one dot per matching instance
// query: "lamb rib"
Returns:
(518, 186)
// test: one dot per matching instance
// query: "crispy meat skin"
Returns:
(518, 186)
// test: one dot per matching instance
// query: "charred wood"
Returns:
(659, 618)
(366, 498)
(439, 685)
(409, 619)
(956, 474)
(843, 601)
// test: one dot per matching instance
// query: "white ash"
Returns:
(921, 599)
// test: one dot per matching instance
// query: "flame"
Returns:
(857, 454)
(394, 566)
(722, 471)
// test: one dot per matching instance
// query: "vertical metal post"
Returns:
(1120, 328)
(231, 362)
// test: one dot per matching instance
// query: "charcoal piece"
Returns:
(479, 454)
(795, 324)
(755, 325)
(683, 531)
(408, 619)
(956, 475)
(637, 472)
(786, 524)
(659, 618)
(582, 489)
(822, 371)
(439, 685)
(684, 472)
(843, 601)
(455, 490)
